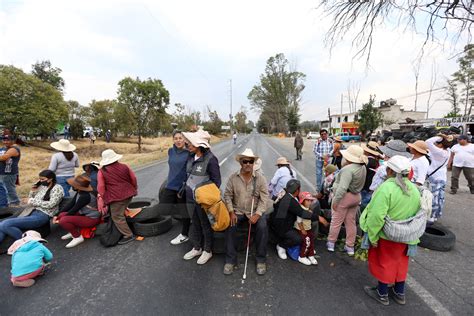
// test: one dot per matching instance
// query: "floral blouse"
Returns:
(50, 207)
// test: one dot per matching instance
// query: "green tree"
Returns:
(142, 100)
(77, 117)
(453, 98)
(186, 118)
(214, 125)
(48, 74)
(102, 114)
(240, 121)
(369, 118)
(29, 105)
(278, 94)
(465, 76)
(123, 124)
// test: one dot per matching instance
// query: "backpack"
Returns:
(111, 235)
(208, 196)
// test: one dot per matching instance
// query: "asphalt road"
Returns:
(150, 277)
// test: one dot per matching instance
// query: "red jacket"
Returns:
(116, 182)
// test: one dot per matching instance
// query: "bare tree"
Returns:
(435, 17)
(416, 71)
(434, 78)
(353, 90)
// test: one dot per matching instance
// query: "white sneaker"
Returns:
(330, 246)
(281, 253)
(179, 239)
(67, 236)
(304, 261)
(75, 241)
(192, 254)
(204, 257)
(313, 260)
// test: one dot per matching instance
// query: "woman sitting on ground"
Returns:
(281, 177)
(80, 212)
(44, 199)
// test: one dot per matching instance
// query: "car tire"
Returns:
(162, 187)
(149, 209)
(437, 238)
(153, 227)
(219, 244)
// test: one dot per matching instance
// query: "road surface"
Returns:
(150, 277)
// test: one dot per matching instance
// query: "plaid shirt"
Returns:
(322, 148)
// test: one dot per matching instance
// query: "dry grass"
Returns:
(37, 157)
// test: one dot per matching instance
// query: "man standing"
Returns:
(323, 149)
(242, 187)
(462, 159)
(299, 143)
(9, 158)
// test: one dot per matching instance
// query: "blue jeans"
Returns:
(9, 182)
(319, 175)
(366, 197)
(14, 227)
(3, 196)
(62, 182)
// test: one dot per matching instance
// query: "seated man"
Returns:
(242, 187)
(283, 218)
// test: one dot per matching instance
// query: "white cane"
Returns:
(248, 243)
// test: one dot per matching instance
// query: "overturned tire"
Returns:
(153, 227)
(438, 238)
(149, 210)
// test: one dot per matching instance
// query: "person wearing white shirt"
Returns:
(281, 177)
(462, 159)
(439, 152)
(419, 163)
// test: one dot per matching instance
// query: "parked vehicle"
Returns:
(87, 130)
(348, 137)
(313, 135)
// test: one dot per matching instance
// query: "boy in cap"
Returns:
(29, 258)
(307, 252)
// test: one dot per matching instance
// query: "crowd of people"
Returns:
(381, 181)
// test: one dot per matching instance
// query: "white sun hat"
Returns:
(63, 145)
(198, 139)
(354, 154)
(109, 156)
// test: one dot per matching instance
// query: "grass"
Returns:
(37, 156)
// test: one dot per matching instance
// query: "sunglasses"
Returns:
(246, 162)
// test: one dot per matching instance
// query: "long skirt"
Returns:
(388, 262)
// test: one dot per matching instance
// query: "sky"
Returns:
(197, 47)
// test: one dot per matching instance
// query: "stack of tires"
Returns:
(147, 223)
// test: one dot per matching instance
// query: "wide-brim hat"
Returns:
(63, 145)
(81, 183)
(109, 156)
(282, 161)
(420, 146)
(247, 153)
(395, 147)
(95, 164)
(197, 139)
(354, 154)
(372, 148)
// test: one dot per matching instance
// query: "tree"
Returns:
(78, 115)
(278, 94)
(293, 118)
(453, 98)
(214, 125)
(48, 74)
(142, 99)
(28, 105)
(436, 18)
(240, 121)
(465, 76)
(310, 126)
(102, 114)
(123, 123)
(369, 118)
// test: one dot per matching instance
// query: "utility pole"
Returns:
(340, 119)
(230, 97)
(329, 117)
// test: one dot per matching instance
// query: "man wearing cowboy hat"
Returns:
(419, 162)
(371, 150)
(392, 148)
(246, 188)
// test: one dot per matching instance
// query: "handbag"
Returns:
(406, 230)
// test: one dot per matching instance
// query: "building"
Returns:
(346, 122)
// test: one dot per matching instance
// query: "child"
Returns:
(324, 197)
(29, 258)
(307, 253)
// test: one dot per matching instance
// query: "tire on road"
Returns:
(153, 227)
(162, 188)
(149, 209)
(438, 238)
(218, 242)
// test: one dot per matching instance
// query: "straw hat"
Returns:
(282, 161)
(420, 146)
(372, 148)
(198, 139)
(395, 147)
(63, 145)
(330, 168)
(109, 156)
(399, 164)
(354, 154)
(81, 183)
(248, 153)
(27, 236)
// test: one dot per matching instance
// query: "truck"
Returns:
(348, 137)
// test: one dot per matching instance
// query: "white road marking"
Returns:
(435, 305)
(240, 145)
(223, 160)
